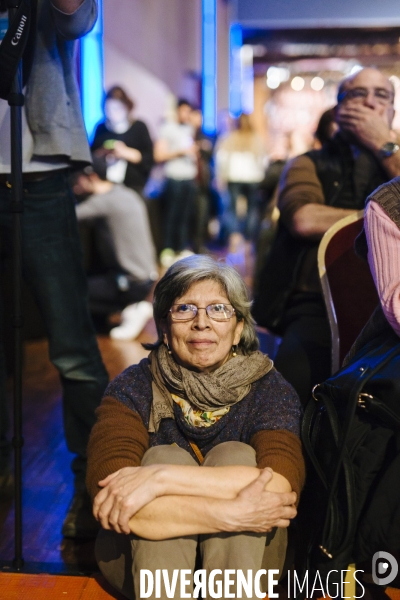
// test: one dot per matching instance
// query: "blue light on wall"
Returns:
(209, 65)
(235, 70)
(92, 75)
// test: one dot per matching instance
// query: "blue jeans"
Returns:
(250, 191)
(53, 268)
(179, 198)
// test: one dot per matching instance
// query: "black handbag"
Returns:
(350, 431)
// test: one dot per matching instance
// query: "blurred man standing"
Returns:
(177, 150)
(54, 141)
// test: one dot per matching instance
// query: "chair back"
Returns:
(348, 288)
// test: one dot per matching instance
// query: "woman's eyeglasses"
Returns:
(187, 312)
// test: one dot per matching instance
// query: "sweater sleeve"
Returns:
(118, 439)
(299, 185)
(281, 450)
(383, 237)
(146, 148)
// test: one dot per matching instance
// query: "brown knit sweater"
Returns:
(120, 437)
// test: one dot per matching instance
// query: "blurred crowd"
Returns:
(148, 203)
(224, 195)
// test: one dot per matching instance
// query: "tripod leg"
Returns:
(15, 102)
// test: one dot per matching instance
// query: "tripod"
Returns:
(16, 101)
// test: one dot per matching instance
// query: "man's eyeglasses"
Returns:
(187, 312)
(382, 95)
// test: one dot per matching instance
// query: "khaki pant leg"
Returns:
(243, 550)
(121, 557)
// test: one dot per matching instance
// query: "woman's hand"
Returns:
(124, 493)
(255, 509)
(121, 150)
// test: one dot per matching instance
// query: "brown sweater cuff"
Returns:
(118, 439)
(282, 451)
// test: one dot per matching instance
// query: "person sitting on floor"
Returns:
(197, 444)
(130, 256)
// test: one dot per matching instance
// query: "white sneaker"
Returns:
(134, 318)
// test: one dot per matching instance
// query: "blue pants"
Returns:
(52, 267)
(250, 191)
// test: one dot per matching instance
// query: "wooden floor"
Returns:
(19, 586)
(48, 485)
(47, 480)
(47, 477)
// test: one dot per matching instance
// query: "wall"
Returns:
(153, 49)
(223, 22)
(150, 48)
(314, 13)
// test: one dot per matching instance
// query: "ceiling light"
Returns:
(297, 83)
(317, 83)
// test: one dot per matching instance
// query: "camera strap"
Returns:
(13, 45)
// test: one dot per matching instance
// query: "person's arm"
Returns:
(118, 439)
(383, 237)
(92, 208)
(74, 18)
(254, 509)
(132, 155)
(281, 450)
(129, 490)
(162, 152)
(221, 167)
(372, 131)
(147, 150)
(312, 221)
(301, 201)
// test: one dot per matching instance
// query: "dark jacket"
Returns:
(344, 186)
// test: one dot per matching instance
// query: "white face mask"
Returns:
(117, 115)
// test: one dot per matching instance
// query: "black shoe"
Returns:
(80, 522)
(6, 485)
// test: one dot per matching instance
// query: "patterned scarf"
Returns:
(225, 386)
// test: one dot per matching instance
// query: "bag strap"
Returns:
(197, 452)
(313, 409)
(344, 463)
(12, 48)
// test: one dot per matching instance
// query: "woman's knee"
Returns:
(231, 453)
(167, 455)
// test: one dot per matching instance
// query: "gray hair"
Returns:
(184, 273)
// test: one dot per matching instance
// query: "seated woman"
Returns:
(198, 444)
